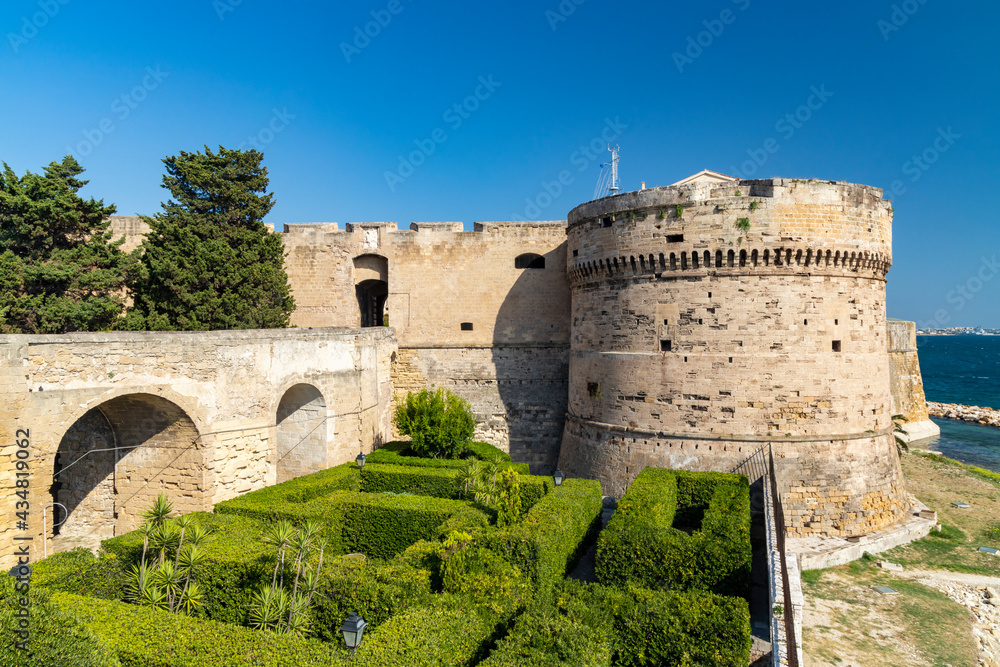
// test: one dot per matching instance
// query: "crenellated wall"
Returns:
(465, 316)
(711, 321)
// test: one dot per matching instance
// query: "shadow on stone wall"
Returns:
(531, 357)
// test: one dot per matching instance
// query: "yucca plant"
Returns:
(279, 536)
(268, 607)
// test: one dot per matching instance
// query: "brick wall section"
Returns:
(756, 316)
(194, 415)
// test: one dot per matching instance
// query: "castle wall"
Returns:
(118, 418)
(907, 383)
(754, 317)
(511, 366)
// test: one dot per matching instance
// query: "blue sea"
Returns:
(963, 369)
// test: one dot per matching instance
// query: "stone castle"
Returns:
(686, 326)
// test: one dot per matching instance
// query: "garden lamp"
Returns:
(353, 629)
(361, 460)
(558, 477)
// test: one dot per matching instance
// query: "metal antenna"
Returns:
(608, 182)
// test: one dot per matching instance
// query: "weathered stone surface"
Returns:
(754, 317)
(115, 419)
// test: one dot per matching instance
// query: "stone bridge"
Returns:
(103, 423)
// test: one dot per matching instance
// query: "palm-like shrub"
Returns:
(158, 580)
(438, 422)
(273, 607)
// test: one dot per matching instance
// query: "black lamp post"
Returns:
(353, 630)
(558, 477)
(361, 460)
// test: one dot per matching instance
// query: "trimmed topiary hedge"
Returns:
(548, 541)
(79, 571)
(437, 482)
(383, 526)
(570, 625)
(451, 632)
(299, 490)
(679, 628)
(376, 590)
(639, 546)
(399, 453)
(56, 637)
(148, 637)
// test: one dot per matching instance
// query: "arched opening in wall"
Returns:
(116, 459)
(302, 441)
(529, 261)
(371, 280)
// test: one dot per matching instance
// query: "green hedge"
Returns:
(147, 637)
(299, 490)
(383, 526)
(384, 478)
(57, 639)
(548, 541)
(376, 590)
(439, 482)
(638, 546)
(399, 453)
(79, 571)
(570, 625)
(451, 632)
(679, 628)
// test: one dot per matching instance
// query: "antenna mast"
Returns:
(608, 182)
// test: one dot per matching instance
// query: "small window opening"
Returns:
(675, 238)
(664, 346)
(666, 322)
(685, 360)
(709, 295)
(836, 322)
(836, 346)
(576, 253)
(466, 326)
(805, 321)
(606, 221)
(730, 360)
(699, 321)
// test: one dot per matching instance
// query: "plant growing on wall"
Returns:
(743, 224)
(679, 211)
(438, 422)
(754, 205)
(208, 261)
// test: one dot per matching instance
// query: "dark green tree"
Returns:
(60, 271)
(208, 261)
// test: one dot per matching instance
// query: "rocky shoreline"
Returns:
(967, 413)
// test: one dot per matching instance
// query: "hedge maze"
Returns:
(437, 580)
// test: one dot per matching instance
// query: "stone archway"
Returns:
(116, 459)
(301, 433)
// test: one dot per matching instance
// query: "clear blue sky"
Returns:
(123, 85)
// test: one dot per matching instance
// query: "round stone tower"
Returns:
(710, 320)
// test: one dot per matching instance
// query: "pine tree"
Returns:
(208, 261)
(59, 269)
